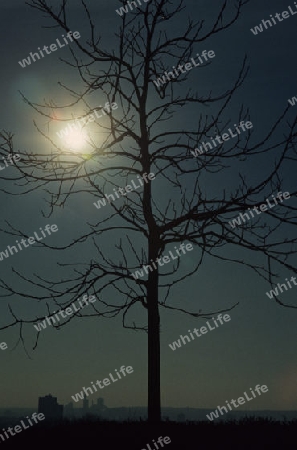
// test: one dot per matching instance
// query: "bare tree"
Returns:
(140, 139)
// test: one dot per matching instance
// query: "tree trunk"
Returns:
(154, 393)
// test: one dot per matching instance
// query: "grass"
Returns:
(249, 433)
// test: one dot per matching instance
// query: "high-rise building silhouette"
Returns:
(69, 410)
(49, 406)
(101, 407)
(85, 403)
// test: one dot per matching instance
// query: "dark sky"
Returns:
(258, 345)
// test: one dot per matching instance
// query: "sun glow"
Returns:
(76, 140)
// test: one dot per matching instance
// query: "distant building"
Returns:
(85, 404)
(88, 408)
(49, 406)
(181, 417)
(100, 405)
(69, 410)
(100, 408)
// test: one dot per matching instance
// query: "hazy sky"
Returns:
(258, 345)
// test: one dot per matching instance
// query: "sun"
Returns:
(76, 140)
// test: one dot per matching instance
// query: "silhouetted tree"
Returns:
(143, 137)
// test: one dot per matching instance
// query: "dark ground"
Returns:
(246, 434)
